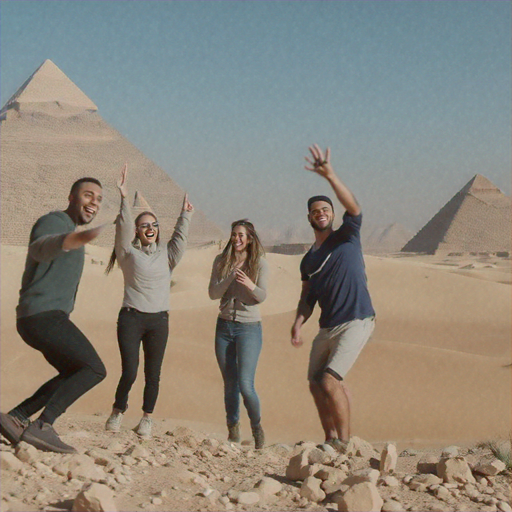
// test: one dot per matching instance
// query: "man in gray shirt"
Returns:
(53, 269)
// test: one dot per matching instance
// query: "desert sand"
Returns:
(435, 373)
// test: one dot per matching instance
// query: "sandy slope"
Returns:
(434, 373)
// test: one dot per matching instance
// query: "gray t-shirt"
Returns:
(51, 277)
(147, 270)
(238, 303)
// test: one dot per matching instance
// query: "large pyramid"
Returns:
(51, 135)
(475, 219)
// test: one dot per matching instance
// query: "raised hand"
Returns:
(319, 164)
(121, 184)
(187, 206)
(242, 278)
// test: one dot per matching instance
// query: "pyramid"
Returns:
(52, 135)
(48, 87)
(475, 219)
(140, 204)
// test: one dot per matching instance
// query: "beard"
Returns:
(316, 227)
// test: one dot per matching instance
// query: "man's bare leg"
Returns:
(338, 404)
(322, 406)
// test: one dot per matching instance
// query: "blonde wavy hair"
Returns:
(254, 252)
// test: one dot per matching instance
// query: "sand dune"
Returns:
(433, 373)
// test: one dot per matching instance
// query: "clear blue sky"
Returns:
(413, 97)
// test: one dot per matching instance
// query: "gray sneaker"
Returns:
(259, 437)
(234, 433)
(113, 424)
(43, 437)
(12, 428)
(143, 429)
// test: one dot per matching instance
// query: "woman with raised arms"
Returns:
(144, 316)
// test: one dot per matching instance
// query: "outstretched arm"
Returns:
(178, 242)
(124, 222)
(322, 166)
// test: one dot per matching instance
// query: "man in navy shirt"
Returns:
(333, 274)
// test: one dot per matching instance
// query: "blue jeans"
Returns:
(238, 347)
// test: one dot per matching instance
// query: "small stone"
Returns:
(26, 453)
(268, 486)
(311, 490)
(363, 497)
(388, 459)
(94, 498)
(450, 451)
(428, 464)
(248, 498)
(491, 468)
(392, 506)
(504, 506)
(455, 470)
(10, 462)
(389, 481)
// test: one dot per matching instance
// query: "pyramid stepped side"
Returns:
(48, 88)
(429, 237)
(476, 219)
(42, 155)
(479, 228)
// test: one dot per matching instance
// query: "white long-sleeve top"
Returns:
(147, 270)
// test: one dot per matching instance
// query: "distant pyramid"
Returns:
(476, 219)
(48, 87)
(52, 135)
(140, 204)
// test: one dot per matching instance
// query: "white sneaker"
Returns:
(113, 424)
(143, 429)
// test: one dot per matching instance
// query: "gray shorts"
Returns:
(337, 348)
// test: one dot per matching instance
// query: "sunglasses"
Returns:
(147, 225)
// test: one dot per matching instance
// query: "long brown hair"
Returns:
(254, 252)
(113, 256)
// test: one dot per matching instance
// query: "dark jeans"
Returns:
(238, 347)
(152, 329)
(66, 348)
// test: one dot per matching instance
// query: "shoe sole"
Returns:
(45, 447)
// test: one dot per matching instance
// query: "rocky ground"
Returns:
(186, 470)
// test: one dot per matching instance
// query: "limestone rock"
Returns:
(317, 456)
(360, 448)
(137, 452)
(10, 462)
(455, 470)
(389, 481)
(362, 475)
(297, 467)
(363, 497)
(330, 473)
(248, 498)
(504, 506)
(311, 490)
(27, 453)
(392, 506)
(268, 486)
(94, 498)
(428, 464)
(490, 468)
(450, 451)
(421, 483)
(388, 459)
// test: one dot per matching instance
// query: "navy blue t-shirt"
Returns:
(337, 276)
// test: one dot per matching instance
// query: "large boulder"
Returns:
(388, 459)
(455, 470)
(363, 497)
(94, 498)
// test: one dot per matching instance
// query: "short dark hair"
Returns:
(314, 199)
(75, 187)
